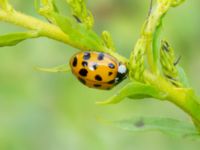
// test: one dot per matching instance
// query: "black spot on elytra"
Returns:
(111, 82)
(97, 85)
(83, 72)
(94, 66)
(110, 73)
(84, 64)
(98, 78)
(100, 56)
(82, 80)
(86, 56)
(139, 123)
(75, 61)
(111, 65)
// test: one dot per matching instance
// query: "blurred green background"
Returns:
(41, 111)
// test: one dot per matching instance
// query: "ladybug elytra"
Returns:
(97, 70)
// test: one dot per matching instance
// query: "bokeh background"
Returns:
(41, 111)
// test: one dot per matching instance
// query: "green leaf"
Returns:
(183, 77)
(134, 90)
(176, 3)
(15, 38)
(37, 5)
(55, 8)
(78, 32)
(62, 68)
(81, 12)
(5, 5)
(108, 40)
(166, 125)
(45, 8)
(64, 23)
(156, 44)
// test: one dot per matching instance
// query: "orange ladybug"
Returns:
(97, 70)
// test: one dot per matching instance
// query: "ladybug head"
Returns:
(122, 72)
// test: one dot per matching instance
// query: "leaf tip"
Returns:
(102, 102)
(109, 101)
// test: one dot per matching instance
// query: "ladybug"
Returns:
(97, 70)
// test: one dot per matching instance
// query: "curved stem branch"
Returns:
(31, 23)
(184, 98)
(47, 30)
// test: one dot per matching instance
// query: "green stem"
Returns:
(48, 30)
(149, 30)
(31, 23)
(156, 48)
(145, 42)
(183, 98)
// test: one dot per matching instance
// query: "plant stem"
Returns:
(145, 42)
(47, 30)
(183, 98)
(31, 23)
(149, 30)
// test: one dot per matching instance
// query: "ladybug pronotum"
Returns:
(97, 70)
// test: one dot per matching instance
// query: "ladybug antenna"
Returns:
(150, 7)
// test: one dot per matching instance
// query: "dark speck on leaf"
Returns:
(139, 123)
(77, 19)
(165, 46)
